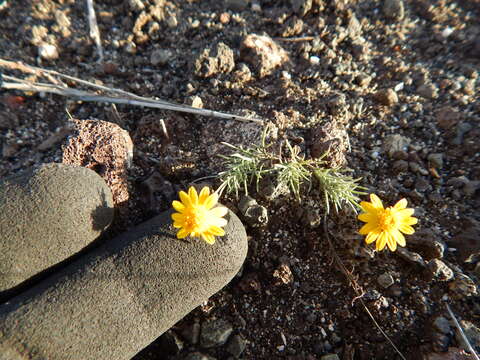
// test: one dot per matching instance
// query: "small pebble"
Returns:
(428, 91)
(387, 97)
(385, 280)
(160, 57)
(48, 51)
(394, 9)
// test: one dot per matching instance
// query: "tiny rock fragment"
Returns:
(195, 101)
(236, 5)
(236, 345)
(301, 7)
(436, 160)
(428, 91)
(136, 5)
(447, 117)
(394, 9)
(467, 241)
(250, 283)
(283, 275)
(196, 355)
(48, 51)
(215, 333)
(395, 143)
(262, 53)
(385, 280)
(410, 257)
(171, 343)
(160, 57)
(214, 60)
(387, 97)
(462, 286)
(255, 215)
(428, 243)
(330, 139)
(439, 270)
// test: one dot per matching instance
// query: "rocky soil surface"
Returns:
(390, 87)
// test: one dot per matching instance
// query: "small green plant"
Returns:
(338, 189)
(247, 166)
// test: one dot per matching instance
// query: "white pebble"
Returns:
(286, 75)
(447, 32)
(314, 60)
(399, 86)
(48, 51)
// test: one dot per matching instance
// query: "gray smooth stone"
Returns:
(117, 299)
(48, 215)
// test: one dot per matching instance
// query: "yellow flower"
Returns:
(385, 226)
(197, 216)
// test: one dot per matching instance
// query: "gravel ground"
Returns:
(393, 85)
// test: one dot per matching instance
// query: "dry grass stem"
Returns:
(356, 287)
(94, 32)
(462, 333)
(119, 96)
(296, 39)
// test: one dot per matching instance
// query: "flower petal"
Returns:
(209, 239)
(381, 241)
(185, 199)
(405, 212)
(372, 236)
(410, 221)
(218, 221)
(367, 217)
(368, 208)
(219, 211)
(376, 202)
(177, 205)
(177, 217)
(181, 234)
(177, 225)
(211, 201)
(392, 244)
(204, 194)
(215, 230)
(406, 229)
(401, 204)
(367, 228)
(192, 193)
(398, 236)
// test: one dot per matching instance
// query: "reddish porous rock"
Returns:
(105, 148)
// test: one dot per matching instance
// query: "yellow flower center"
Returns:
(386, 219)
(196, 219)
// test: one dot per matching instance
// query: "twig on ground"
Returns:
(462, 333)
(128, 98)
(94, 32)
(296, 39)
(357, 288)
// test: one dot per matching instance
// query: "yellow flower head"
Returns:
(197, 216)
(385, 226)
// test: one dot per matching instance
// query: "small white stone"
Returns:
(256, 7)
(314, 60)
(447, 32)
(399, 86)
(48, 51)
(130, 47)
